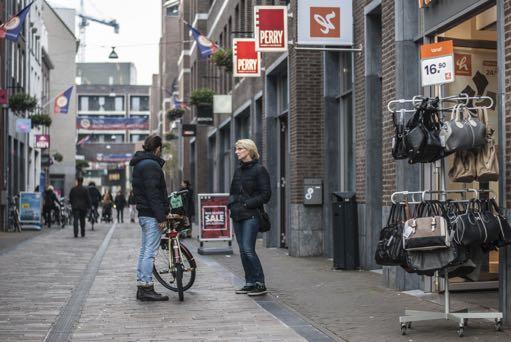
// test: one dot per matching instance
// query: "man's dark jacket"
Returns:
(149, 186)
(95, 195)
(79, 198)
(250, 189)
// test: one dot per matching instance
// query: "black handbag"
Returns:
(399, 149)
(505, 228)
(264, 221)
(389, 250)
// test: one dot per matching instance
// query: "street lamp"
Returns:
(113, 54)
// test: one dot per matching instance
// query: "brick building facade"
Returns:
(323, 115)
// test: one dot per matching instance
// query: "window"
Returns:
(172, 11)
(138, 137)
(139, 103)
(101, 103)
(283, 99)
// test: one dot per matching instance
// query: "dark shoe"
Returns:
(258, 290)
(76, 236)
(147, 293)
(245, 289)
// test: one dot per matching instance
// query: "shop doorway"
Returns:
(283, 157)
(476, 74)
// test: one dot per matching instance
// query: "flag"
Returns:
(12, 28)
(206, 46)
(180, 104)
(62, 101)
(83, 140)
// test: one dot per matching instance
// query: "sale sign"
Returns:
(42, 141)
(437, 63)
(270, 27)
(214, 217)
(246, 60)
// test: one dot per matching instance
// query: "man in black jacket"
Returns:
(150, 193)
(80, 203)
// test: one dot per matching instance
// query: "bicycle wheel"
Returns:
(179, 282)
(162, 270)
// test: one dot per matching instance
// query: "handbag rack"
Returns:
(461, 316)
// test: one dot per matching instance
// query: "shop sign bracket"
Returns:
(341, 49)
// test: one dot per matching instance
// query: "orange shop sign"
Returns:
(437, 63)
(270, 27)
(424, 3)
(246, 60)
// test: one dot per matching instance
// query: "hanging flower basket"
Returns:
(82, 164)
(22, 103)
(223, 59)
(174, 114)
(41, 120)
(171, 136)
(202, 96)
(58, 157)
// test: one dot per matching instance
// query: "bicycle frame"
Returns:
(174, 251)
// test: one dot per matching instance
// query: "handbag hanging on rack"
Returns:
(465, 131)
(389, 250)
(463, 168)
(427, 233)
(487, 162)
(399, 149)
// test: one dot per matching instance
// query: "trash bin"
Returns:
(345, 230)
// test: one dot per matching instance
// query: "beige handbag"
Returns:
(463, 168)
(425, 234)
(487, 162)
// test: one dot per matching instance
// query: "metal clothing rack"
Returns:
(461, 316)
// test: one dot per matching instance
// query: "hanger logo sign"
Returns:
(325, 22)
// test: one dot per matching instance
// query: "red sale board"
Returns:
(214, 217)
(270, 27)
(246, 60)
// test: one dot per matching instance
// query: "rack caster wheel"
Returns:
(403, 328)
(460, 332)
(498, 325)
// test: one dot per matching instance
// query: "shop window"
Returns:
(139, 103)
(172, 11)
(138, 137)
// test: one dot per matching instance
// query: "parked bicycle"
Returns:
(174, 265)
(65, 212)
(14, 224)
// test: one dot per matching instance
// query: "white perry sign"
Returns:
(325, 22)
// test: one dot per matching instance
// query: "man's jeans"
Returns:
(151, 236)
(246, 235)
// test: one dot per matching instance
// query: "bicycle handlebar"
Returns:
(180, 192)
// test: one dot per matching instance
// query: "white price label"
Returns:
(437, 70)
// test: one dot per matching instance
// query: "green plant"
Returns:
(41, 120)
(171, 136)
(223, 59)
(82, 164)
(174, 114)
(22, 103)
(202, 96)
(58, 157)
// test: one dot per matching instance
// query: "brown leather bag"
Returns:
(463, 168)
(487, 162)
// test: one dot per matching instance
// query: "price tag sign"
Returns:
(437, 63)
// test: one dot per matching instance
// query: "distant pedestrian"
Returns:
(189, 203)
(107, 203)
(150, 192)
(50, 205)
(250, 189)
(133, 206)
(120, 203)
(80, 204)
(95, 198)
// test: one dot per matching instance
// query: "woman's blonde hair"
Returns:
(250, 146)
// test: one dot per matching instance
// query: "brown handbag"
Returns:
(463, 168)
(426, 233)
(487, 162)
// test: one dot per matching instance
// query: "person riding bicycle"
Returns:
(150, 191)
(50, 204)
(95, 197)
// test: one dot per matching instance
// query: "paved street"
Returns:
(45, 296)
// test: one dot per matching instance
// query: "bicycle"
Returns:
(93, 216)
(14, 224)
(65, 213)
(174, 266)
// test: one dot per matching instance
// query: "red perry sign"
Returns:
(270, 27)
(246, 60)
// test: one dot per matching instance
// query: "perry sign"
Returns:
(270, 27)
(246, 60)
(325, 22)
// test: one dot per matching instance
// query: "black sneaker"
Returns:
(246, 289)
(258, 290)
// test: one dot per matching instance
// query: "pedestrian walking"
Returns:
(107, 203)
(50, 204)
(250, 189)
(189, 203)
(80, 204)
(150, 191)
(120, 203)
(133, 206)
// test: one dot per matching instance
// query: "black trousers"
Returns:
(79, 214)
(120, 214)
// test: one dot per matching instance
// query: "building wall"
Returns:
(106, 73)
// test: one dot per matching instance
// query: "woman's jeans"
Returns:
(246, 235)
(151, 235)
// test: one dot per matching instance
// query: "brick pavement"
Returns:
(355, 306)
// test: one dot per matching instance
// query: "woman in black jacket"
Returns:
(250, 189)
